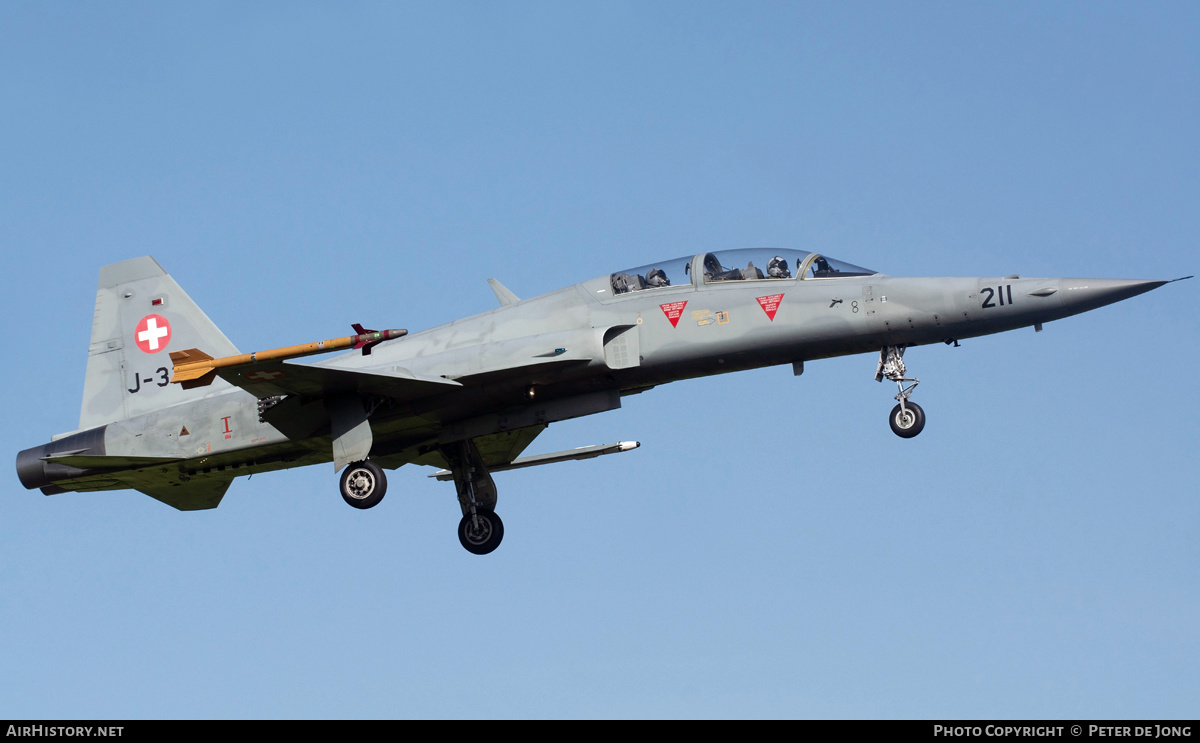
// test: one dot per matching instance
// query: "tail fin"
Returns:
(141, 313)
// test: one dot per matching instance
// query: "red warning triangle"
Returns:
(673, 310)
(770, 304)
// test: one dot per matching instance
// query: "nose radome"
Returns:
(1087, 294)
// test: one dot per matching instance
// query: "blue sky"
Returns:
(772, 550)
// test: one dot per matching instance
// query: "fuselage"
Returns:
(568, 353)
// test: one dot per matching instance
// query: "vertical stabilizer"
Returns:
(141, 315)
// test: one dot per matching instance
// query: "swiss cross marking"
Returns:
(152, 334)
(263, 375)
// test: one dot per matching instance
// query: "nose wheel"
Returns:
(907, 419)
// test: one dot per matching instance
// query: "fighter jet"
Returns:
(173, 410)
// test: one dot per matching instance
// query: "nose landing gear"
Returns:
(907, 419)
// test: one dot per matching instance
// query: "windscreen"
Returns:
(652, 276)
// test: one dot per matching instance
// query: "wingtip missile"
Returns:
(194, 368)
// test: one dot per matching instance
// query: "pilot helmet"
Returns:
(656, 277)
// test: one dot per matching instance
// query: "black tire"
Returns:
(907, 426)
(363, 484)
(486, 538)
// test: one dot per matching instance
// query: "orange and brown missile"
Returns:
(194, 368)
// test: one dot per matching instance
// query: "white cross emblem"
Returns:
(153, 333)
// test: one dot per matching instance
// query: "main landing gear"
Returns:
(480, 529)
(907, 419)
(363, 484)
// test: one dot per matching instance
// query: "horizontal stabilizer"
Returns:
(583, 452)
(194, 495)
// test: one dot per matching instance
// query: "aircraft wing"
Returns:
(502, 448)
(273, 378)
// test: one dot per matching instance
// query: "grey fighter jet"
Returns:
(170, 407)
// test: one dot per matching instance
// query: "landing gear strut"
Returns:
(363, 484)
(480, 529)
(907, 419)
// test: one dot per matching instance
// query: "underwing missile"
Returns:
(194, 368)
(583, 452)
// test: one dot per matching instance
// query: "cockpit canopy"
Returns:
(747, 264)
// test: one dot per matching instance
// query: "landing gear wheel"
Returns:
(907, 421)
(363, 484)
(482, 537)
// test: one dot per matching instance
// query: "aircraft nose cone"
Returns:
(1081, 295)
